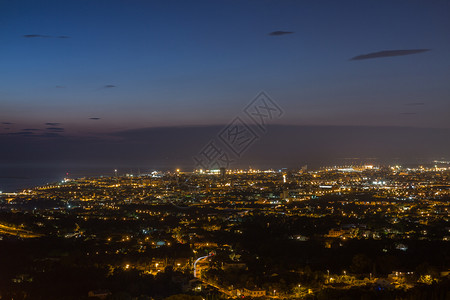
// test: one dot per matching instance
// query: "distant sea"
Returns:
(17, 178)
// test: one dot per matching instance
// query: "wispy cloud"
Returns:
(35, 36)
(30, 129)
(388, 53)
(22, 133)
(55, 129)
(279, 32)
(94, 118)
(108, 86)
(52, 124)
(7, 123)
(30, 36)
(31, 134)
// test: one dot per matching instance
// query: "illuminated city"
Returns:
(238, 233)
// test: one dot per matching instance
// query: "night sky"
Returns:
(92, 73)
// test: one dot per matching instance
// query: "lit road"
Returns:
(9, 230)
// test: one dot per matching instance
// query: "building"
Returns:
(250, 293)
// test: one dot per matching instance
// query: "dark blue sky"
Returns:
(119, 84)
(199, 62)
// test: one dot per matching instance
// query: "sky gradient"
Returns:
(85, 70)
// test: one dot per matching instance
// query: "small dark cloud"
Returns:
(108, 86)
(94, 118)
(415, 104)
(55, 129)
(52, 124)
(30, 129)
(63, 37)
(35, 36)
(408, 113)
(279, 32)
(7, 123)
(389, 53)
